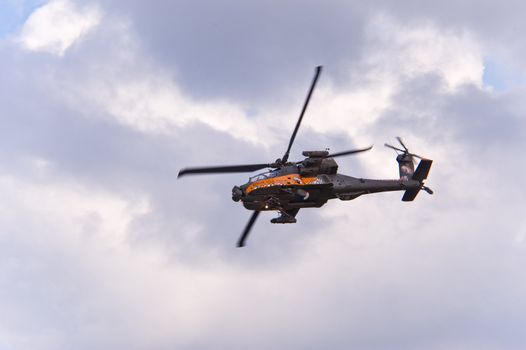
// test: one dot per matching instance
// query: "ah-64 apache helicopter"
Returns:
(310, 183)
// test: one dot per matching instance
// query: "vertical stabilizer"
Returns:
(419, 175)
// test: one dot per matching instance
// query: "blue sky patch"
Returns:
(501, 76)
(494, 76)
(13, 13)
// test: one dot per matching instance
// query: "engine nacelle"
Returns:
(316, 154)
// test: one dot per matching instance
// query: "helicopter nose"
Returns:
(237, 193)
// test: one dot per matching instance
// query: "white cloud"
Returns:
(154, 104)
(49, 229)
(394, 53)
(72, 205)
(415, 48)
(57, 25)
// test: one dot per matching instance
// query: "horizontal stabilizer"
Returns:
(410, 195)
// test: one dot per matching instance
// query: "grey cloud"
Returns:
(444, 272)
(243, 51)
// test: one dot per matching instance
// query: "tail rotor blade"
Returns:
(248, 227)
(316, 75)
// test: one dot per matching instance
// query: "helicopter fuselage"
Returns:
(311, 182)
(287, 189)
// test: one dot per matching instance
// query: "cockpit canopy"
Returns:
(263, 176)
(284, 170)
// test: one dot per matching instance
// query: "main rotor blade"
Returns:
(244, 235)
(223, 169)
(346, 153)
(316, 75)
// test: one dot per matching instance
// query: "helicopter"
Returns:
(287, 187)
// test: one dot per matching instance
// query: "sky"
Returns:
(102, 102)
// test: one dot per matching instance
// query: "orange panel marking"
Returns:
(289, 179)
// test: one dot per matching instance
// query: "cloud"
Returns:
(57, 25)
(101, 246)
